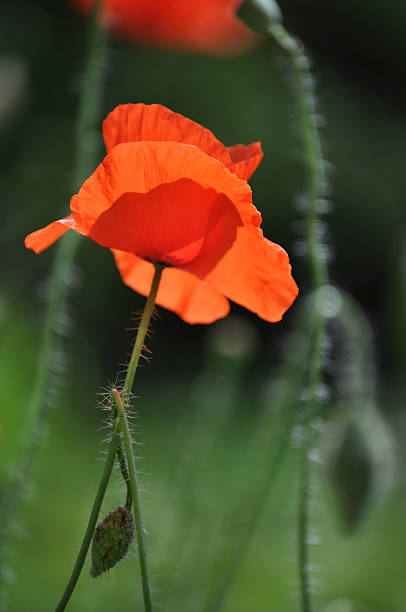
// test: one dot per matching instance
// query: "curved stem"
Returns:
(265, 461)
(142, 332)
(108, 467)
(304, 491)
(307, 117)
(128, 383)
(91, 98)
(146, 588)
(316, 181)
(60, 281)
(132, 367)
(115, 448)
(124, 472)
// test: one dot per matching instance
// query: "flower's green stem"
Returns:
(129, 380)
(60, 280)
(307, 118)
(316, 181)
(124, 472)
(115, 448)
(142, 331)
(108, 467)
(146, 588)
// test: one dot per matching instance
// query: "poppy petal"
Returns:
(245, 159)
(189, 297)
(162, 226)
(139, 167)
(254, 273)
(41, 239)
(201, 25)
(141, 122)
(197, 25)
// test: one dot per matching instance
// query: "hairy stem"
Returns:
(128, 384)
(108, 467)
(315, 186)
(314, 161)
(304, 491)
(146, 588)
(127, 469)
(316, 181)
(125, 474)
(265, 460)
(142, 331)
(60, 281)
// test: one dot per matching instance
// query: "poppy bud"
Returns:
(260, 15)
(111, 540)
(351, 472)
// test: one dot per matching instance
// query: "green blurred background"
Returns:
(200, 422)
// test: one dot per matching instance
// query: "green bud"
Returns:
(111, 540)
(260, 15)
(351, 472)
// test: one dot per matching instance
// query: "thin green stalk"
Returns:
(265, 462)
(60, 282)
(304, 490)
(108, 467)
(115, 448)
(142, 332)
(128, 384)
(121, 458)
(91, 98)
(132, 367)
(265, 18)
(126, 476)
(146, 588)
(316, 180)
(315, 171)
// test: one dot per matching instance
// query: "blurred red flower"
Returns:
(197, 25)
(169, 192)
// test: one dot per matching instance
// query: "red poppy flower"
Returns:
(169, 192)
(197, 25)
